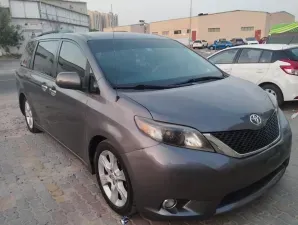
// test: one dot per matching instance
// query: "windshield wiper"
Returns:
(143, 87)
(198, 79)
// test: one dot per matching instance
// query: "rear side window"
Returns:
(226, 57)
(280, 55)
(71, 59)
(28, 54)
(266, 57)
(250, 56)
(293, 53)
(45, 56)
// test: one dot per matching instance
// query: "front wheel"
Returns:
(29, 118)
(113, 179)
(275, 91)
(211, 48)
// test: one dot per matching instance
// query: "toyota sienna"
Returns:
(167, 133)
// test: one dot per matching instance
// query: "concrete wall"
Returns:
(4, 3)
(118, 29)
(71, 5)
(231, 25)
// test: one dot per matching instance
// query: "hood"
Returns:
(220, 105)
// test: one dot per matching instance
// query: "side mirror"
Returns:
(69, 80)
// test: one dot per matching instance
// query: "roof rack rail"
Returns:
(53, 32)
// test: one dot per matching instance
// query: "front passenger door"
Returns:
(224, 60)
(69, 106)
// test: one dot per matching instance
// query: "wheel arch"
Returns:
(22, 98)
(95, 140)
(270, 83)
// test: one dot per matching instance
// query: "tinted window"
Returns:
(266, 57)
(280, 55)
(226, 57)
(71, 59)
(293, 53)
(28, 54)
(44, 57)
(250, 56)
(197, 41)
(130, 62)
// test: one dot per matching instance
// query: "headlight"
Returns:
(173, 134)
(273, 99)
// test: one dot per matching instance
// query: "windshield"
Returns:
(251, 39)
(127, 62)
(197, 41)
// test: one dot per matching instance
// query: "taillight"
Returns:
(292, 68)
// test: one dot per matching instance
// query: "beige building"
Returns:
(99, 20)
(231, 24)
(136, 28)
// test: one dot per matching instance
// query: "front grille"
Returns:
(246, 141)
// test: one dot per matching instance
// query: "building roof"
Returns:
(232, 11)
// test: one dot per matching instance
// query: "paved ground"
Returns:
(42, 183)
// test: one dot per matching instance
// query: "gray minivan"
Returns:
(167, 133)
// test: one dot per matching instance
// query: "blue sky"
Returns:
(131, 11)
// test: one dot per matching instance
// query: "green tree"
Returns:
(93, 30)
(9, 34)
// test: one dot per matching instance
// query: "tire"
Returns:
(273, 89)
(211, 48)
(29, 118)
(124, 208)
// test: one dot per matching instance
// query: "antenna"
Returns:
(190, 15)
(117, 96)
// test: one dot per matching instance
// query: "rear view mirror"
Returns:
(69, 80)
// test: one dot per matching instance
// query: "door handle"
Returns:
(259, 71)
(44, 87)
(52, 91)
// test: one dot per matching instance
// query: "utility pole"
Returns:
(190, 31)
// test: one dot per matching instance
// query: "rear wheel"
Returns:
(275, 91)
(29, 118)
(113, 179)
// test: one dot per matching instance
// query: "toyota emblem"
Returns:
(255, 119)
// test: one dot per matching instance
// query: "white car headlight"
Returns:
(173, 134)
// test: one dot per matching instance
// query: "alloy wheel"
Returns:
(271, 92)
(28, 114)
(112, 178)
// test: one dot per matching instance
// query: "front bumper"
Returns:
(204, 183)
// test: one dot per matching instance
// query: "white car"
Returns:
(251, 41)
(199, 44)
(274, 67)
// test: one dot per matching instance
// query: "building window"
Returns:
(188, 31)
(177, 31)
(156, 33)
(247, 28)
(165, 33)
(213, 29)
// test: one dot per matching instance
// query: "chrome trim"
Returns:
(222, 148)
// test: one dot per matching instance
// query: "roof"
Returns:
(268, 46)
(232, 11)
(100, 35)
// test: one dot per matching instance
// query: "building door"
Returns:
(194, 35)
(258, 34)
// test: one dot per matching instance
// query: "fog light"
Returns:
(169, 203)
